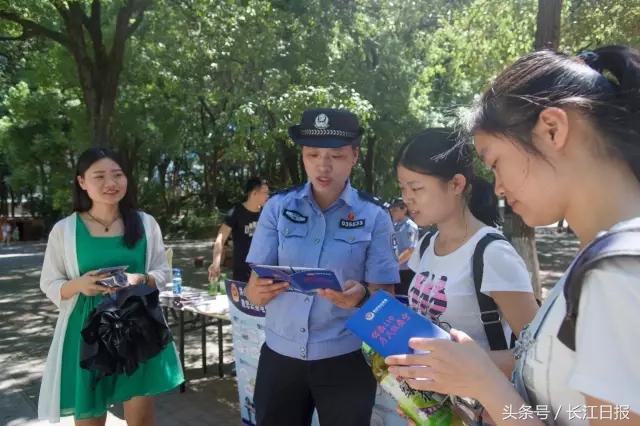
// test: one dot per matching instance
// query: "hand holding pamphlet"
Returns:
(116, 279)
(300, 279)
(386, 325)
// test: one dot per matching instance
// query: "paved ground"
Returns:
(27, 319)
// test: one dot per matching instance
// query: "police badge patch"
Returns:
(295, 216)
(351, 224)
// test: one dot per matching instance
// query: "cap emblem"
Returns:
(321, 122)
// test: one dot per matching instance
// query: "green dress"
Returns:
(157, 375)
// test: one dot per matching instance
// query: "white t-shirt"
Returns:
(443, 287)
(606, 362)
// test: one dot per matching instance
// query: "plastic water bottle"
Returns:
(177, 281)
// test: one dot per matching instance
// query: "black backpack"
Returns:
(488, 309)
(621, 243)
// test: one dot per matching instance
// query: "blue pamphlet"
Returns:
(117, 277)
(386, 325)
(302, 280)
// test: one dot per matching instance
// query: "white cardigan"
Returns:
(61, 265)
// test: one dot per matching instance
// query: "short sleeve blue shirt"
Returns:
(352, 237)
(406, 236)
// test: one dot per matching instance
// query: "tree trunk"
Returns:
(288, 156)
(13, 203)
(203, 156)
(98, 65)
(548, 24)
(43, 188)
(101, 117)
(163, 166)
(368, 165)
(4, 198)
(521, 235)
(214, 169)
(290, 160)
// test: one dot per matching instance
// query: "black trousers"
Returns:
(406, 275)
(288, 389)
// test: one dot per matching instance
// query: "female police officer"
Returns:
(309, 359)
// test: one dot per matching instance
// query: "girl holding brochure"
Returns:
(310, 360)
(440, 187)
(562, 136)
(106, 230)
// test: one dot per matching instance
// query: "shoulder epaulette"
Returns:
(287, 190)
(373, 199)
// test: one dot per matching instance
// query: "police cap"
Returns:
(327, 128)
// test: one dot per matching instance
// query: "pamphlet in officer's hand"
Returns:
(386, 324)
(117, 277)
(300, 279)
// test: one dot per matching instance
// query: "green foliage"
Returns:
(210, 87)
(196, 225)
(34, 141)
(591, 23)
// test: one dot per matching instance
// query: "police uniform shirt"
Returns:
(352, 237)
(406, 236)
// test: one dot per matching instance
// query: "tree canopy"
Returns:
(202, 92)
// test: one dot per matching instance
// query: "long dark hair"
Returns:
(603, 85)
(133, 229)
(440, 153)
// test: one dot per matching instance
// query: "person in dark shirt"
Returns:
(240, 223)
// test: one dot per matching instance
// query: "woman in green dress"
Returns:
(106, 230)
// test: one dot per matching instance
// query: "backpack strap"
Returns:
(488, 309)
(425, 242)
(621, 243)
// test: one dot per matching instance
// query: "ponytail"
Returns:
(603, 85)
(483, 202)
(620, 124)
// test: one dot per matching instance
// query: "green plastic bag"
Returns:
(424, 408)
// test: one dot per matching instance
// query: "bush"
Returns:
(195, 225)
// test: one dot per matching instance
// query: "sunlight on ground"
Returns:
(10, 255)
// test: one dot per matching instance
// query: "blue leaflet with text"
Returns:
(386, 324)
(302, 280)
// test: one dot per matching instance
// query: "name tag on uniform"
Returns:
(351, 224)
(295, 216)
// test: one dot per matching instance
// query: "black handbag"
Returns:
(124, 331)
